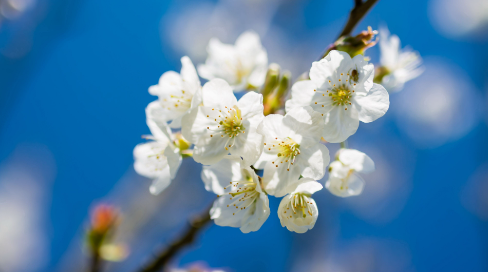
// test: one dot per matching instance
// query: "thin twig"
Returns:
(95, 264)
(357, 13)
(164, 256)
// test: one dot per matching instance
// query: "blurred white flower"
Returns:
(159, 159)
(242, 65)
(241, 203)
(397, 66)
(178, 93)
(474, 196)
(298, 211)
(457, 18)
(24, 179)
(342, 90)
(292, 148)
(343, 178)
(224, 125)
(12, 9)
(441, 105)
(361, 255)
(384, 198)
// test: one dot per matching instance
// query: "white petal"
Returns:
(219, 175)
(160, 183)
(297, 224)
(308, 186)
(257, 216)
(249, 41)
(340, 124)
(160, 116)
(223, 215)
(210, 151)
(272, 127)
(305, 123)
(302, 93)
(197, 98)
(217, 94)
(263, 159)
(365, 74)
(317, 158)
(174, 160)
(354, 186)
(248, 145)
(189, 74)
(189, 128)
(278, 181)
(159, 130)
(147, 163)
(257, 77)
(168, 82)
(251, 104)
(373, 105)
(330, 67)
(356, 160)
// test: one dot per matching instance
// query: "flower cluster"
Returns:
(234, 140)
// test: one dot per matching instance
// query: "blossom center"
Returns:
(345, 181)
(301, 206)
(232, 123)
(287, 150)
(340, 96)
(178, 101)
(243, 193)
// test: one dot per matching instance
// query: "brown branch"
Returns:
(96, 262)
(164, 256)
(357, 13)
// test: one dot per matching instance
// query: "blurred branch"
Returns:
(357, 13)
(164, 256)
(95, 265)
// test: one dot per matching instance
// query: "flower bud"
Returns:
(284, 85)
(379, 73)
(181, 142)
(272, 79)
(355, 45)
(104, 219)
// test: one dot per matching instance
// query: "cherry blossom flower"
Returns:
(342, 90)
(241, 203)
(298, 211)
(291, 149)
(397, 65)
(158, 159)
(224, 125)
(178, 93)
(343, 178)
(242, 65)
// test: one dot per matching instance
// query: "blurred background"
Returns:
(73, 88)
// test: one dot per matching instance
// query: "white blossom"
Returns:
(343, 178)
(342, 90)
(158, 159)
(241, 203)
(292, 148)
(224, 125)
(177, 93)
(399, 65)
(242, 65)
(298, 211)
